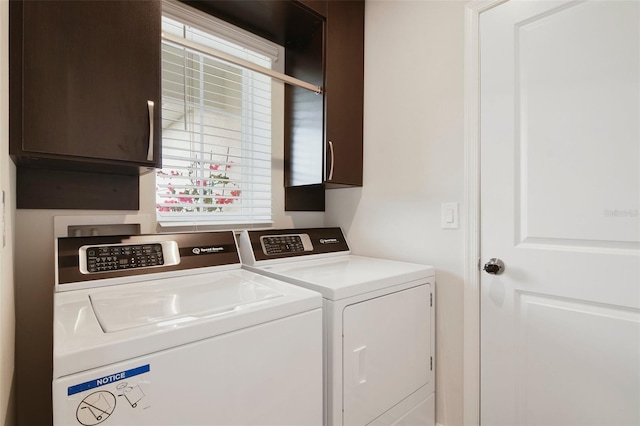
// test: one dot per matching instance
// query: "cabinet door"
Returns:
(344, 84)
(89, 69)
(386, 352)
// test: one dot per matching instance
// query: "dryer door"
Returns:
(386, 352)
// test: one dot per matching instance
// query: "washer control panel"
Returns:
(103, 260)
(115, 257)
(281, 244)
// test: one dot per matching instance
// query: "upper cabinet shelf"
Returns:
(85, 85)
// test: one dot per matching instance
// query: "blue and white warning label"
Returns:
(121, 397)
(116, 377)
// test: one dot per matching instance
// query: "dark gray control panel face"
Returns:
(269, 244)
(115, 257)
(281, 244)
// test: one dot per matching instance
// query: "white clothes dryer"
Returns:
(167, 329)
(379, 323)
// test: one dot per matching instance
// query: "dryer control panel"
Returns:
(290, 243)
(273, 244)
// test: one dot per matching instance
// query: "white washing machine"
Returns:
(379, 323)
(167, 329)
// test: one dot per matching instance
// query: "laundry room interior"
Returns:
(414, 203)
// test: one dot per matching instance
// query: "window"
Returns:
(216, 123)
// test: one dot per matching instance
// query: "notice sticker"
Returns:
(116, 377)
(122, 397)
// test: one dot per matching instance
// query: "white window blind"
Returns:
(216, 122)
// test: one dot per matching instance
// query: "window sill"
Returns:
(190, 226)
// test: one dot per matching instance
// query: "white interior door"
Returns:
(560, 173)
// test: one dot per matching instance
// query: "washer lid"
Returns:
(123, 309)
(99, 326)
(345, 276)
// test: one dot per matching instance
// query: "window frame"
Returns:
(197, 20)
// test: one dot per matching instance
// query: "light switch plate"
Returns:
(450, 216)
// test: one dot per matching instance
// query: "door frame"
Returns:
(471, 323)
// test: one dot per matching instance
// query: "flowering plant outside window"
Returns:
(205, 188)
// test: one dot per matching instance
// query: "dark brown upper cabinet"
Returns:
(85, 85)
(344, 93)
(323, 146)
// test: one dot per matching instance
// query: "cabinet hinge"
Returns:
(431, 363)
(430, 299)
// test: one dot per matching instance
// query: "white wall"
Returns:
(413, 162)
(7, 179)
